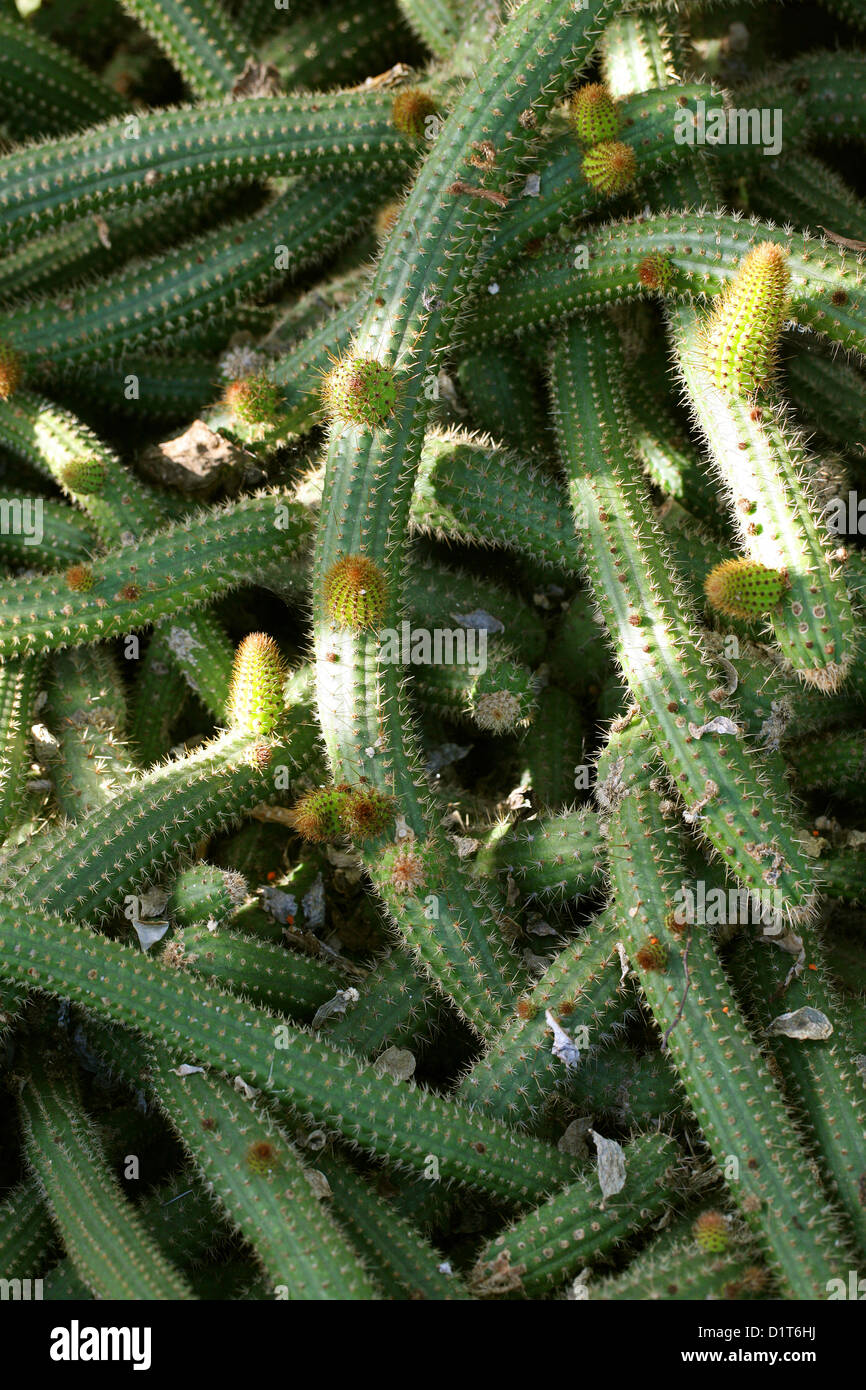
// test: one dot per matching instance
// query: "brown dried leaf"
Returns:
(806, 1024)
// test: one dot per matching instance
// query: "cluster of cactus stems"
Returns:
(432, 634)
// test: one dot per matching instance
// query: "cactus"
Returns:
(304, 51)
(819, 1072)
(86, 712)
(405, 1264)
(162, 814)
(507, 1164)
(25, 1231)
(19, 689)
(90, 173)
(656, 641)
(743, 589)
(552, 748)
(179, 293)
(550, 288)
(540, 1252)
(258, 1180)
(550, 854)
(707, 1036)
(594, 117)
(675, 1266)
(135, 586)
(502, 400)
(431, 457)
(521, 1070)
(640, 51)
(741, 336)
(45, 88)
(198, 38)
(775, 492)
(112, 1255)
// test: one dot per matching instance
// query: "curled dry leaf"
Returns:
(611, 1165)
(806, 1024)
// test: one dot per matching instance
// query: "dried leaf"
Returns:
(102, 232)
(806, 1024)
(564, 1048)
(313, 903)
(579, 1290)
(396, 1062)
(197, 461)
(536, 965)
(623, 961)
(340, 858)
(478, 619)
(336, 1006)
(277, 904)
(47, 746)
(318, 1182)
(149, 933)
(611, 1165)
(573, 1141)
(396, 75)
(153, 902)
(257, 80)
(517, 800)
(465, 846)
(721, 724)
(537, 926)
(498, 1276)
(850, 243)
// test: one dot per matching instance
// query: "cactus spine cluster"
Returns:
(428, 769)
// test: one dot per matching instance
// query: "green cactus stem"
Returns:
(559, 854)
(199, 39)
(735, 1099)
(162, 815)
(151, 579)
(20, 683)
(741, 335)
(703, 252)
(543, 1249)
(110, 1251)
(775, 497)
(331, 1087)
(674, 1267)
(258, 1180)
(654, 636)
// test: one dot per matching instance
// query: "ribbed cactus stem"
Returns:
(741, 336)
